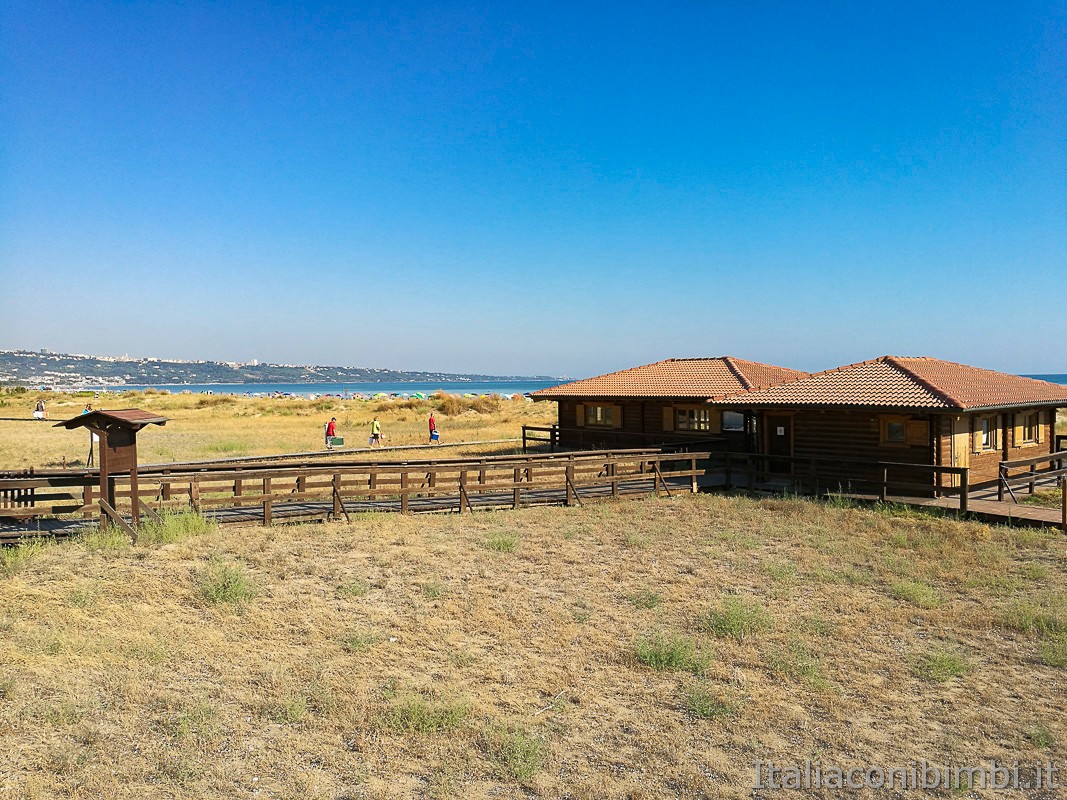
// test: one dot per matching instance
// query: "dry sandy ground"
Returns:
(496, 655)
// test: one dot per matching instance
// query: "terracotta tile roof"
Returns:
(908, 382)
(697, 378)
(133, 417)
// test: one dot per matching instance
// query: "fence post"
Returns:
(462, 489)
(266, 502)
(693, 477)
(884, 493)
(1002, 476)
(336, 495)
(1063, 503)
(404, 492)
(1033, 472)
(516, 494)
(568, 477)
(965, 487)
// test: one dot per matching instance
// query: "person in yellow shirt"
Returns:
(375, 433)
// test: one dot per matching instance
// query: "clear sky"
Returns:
(553, 188)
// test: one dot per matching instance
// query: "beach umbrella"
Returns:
(419, 395)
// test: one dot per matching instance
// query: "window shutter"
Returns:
(1017, 430)
(580, 415)
(668, 418)
(1041, 417)
(715, 421)
(616, 416)
(917, 433)
(976, 435)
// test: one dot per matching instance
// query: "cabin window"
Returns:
(901, 431)
(1030, 426)
(894, 432)
(600, 416)
(693, 419)
(733, 421)
(986, 433)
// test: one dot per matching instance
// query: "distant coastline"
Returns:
(353, 389)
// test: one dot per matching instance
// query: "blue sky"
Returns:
(567, 189)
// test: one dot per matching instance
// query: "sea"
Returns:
(399, 389)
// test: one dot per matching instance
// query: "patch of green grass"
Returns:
(1041, 737)
(779, 571)
(198, 724)
(501, 542)
(1045, 618)
(517, 753)
(220, 583)
(354, 588)
(174, 526)
(287, 710)
(703, 702)
(737, 618)
(15, 559)
(645, 599)
(357, 641)
(1033, 571)
(422, 715)
(796, 661)
(434, 590)
(228, 447)
(916, 592)
(112, 539)
(941, 666)
(662, 651)
(637, 540)
(1053, 650)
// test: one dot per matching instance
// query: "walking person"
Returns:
(38, 410)
(434, 435)
(331, 431)
(375, 433)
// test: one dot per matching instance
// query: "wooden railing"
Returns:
(816, 475)
(1055, 470)
(603, 438)
(334, 490)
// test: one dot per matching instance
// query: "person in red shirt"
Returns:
(331, 431)
(433, 430)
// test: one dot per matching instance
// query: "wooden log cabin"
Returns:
(915, 410)
(664, 402)
(911, 410)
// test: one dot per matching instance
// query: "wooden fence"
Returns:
(817, 475)
(603, 438)
(1053, 472)
(265, 493)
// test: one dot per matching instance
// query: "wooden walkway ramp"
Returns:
(265, 494)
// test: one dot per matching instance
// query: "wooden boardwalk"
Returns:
(321, 510)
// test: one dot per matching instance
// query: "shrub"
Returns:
(356, 641)
(517, 753)
(663, 652)
(225, 583)
(736, 618)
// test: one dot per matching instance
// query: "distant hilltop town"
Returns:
(43, 368)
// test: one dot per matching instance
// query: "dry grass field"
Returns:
(640, 649)
(223, 426)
